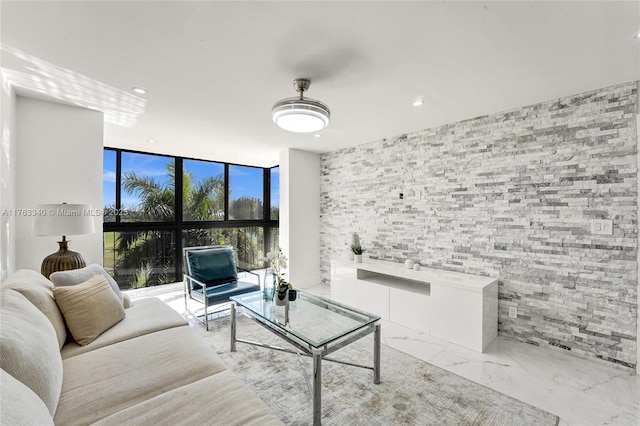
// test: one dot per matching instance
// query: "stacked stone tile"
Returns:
(510, 195)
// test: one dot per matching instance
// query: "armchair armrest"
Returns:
(252, 273)
(200, 283)
(188, 277)
(244, 267)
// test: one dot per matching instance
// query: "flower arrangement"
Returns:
(278, 262)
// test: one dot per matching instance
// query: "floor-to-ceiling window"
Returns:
(156, 205)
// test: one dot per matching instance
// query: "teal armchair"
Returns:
(211, 277)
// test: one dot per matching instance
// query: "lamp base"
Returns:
(63, 260)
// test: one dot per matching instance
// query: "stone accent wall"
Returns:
(509, 195)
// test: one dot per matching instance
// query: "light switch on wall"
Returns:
(602, 227)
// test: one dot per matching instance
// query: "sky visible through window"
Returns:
(109, 178)
(243, 178)
(245, 182)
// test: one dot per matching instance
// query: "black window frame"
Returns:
(178, 225)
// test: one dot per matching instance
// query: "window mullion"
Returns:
(226, 192)
(179, 204)
(118, 185)
(266, 210)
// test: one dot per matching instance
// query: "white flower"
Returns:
(278, 262)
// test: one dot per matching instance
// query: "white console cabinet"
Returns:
(452, 306)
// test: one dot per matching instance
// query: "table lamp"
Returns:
(63, 219)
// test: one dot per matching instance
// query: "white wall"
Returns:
(7, 181)
(58, 159)
(300, 215)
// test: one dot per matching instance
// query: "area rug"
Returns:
(411, 392)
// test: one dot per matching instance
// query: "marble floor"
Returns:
(579, 391)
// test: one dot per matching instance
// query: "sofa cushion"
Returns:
(146, 316)
(212, 265)
(19, 405)
(89, 309)
(221, 399)
(29, 348)
(106, 380)
(35, 287)
(77, 276)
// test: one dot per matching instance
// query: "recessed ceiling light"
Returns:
(637, 35)
(418, 102)
(151, 141)
(139, 90)
(317, 135)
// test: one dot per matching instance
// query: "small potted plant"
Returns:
(357, 250)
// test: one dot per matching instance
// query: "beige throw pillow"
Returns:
(89, 309)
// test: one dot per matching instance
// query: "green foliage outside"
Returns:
(145, 258)
(275, 213)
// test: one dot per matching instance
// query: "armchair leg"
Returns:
(186, 302)
(233, 326)
(206, 315)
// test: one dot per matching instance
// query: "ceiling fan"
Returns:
(300, 114)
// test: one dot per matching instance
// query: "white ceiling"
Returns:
(213, 70)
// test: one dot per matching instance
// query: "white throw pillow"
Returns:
(39, 290)
(19, 405)
(78, 276)
(29, 348)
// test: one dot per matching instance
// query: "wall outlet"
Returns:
(602, 227)
(513, 312)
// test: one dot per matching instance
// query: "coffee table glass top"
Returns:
(315, 320)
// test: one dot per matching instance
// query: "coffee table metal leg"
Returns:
(233, 327)
(317, 379)
(376, 355)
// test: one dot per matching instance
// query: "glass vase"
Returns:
(269, 285)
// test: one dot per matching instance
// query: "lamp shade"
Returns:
(63, 219)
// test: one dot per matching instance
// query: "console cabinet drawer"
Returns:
(409, 309)
(373, 298)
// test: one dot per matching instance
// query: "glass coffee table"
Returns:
(315, 326)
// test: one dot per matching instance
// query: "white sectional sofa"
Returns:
(150, 368)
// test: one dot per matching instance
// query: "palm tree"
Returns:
(157, 199)
(202, 201)
(245, 208)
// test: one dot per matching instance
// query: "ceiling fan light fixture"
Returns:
(298, 114)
